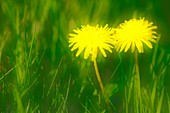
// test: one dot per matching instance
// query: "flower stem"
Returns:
(98, 76)
(101, 85)
(137, 92)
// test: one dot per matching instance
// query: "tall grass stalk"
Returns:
(168, 102)
(20, 108)
(160, 101)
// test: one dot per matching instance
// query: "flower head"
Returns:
(91, 39)
(134, 33)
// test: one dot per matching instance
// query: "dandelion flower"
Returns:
(133, 33)
(91, 39)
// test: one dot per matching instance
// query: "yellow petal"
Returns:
(102, 51)
(75, 46)
(87, 52)
(79, 51)
(108, 47)
(123, 45)
(127, 46)
(147, 43)
(139, 46)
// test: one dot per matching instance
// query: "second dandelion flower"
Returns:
(133, 34)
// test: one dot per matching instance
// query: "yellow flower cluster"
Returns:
(130, 34)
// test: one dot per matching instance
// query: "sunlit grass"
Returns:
(39, 73)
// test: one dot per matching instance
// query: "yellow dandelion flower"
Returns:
(91, 39)
(134, 33)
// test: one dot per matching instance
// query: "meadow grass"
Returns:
(39, 73)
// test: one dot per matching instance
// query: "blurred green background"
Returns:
(39, 73)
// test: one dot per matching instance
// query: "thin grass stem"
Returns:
(54, 78)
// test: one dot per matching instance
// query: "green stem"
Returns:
(137, 90)
(101, 84)
(98, 76)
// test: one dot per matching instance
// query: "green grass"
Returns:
(39, 73)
